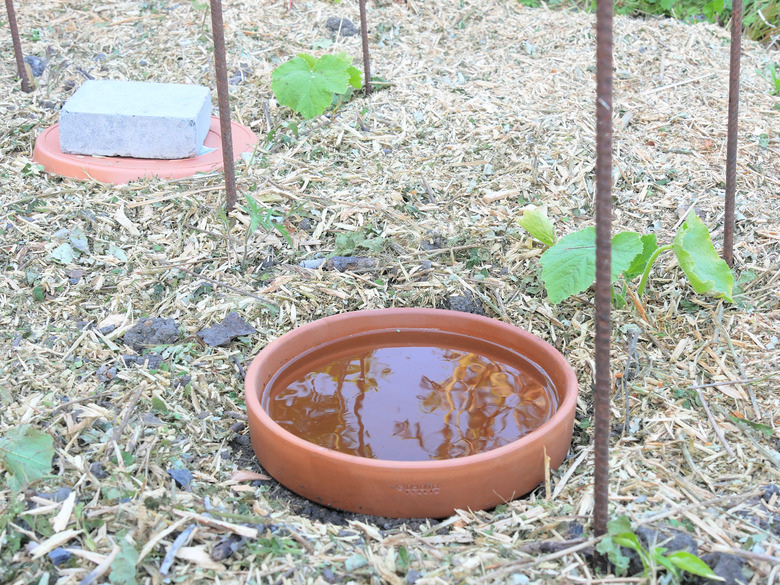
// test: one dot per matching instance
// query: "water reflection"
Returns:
(414, 403)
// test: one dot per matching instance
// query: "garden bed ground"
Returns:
(491, 108)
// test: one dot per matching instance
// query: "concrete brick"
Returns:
(136, 119)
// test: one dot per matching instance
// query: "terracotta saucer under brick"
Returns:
(117, 170)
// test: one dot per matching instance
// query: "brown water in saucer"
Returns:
(412, 403)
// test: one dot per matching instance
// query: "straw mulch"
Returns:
(491, 108)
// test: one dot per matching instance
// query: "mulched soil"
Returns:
(490, 109)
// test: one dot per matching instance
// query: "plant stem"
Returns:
(246, 246)
(643, 283)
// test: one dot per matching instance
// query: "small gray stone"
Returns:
(241, 75)
(150, 420)
(226, 547)
(59, 496)
(728, 567)
(352, 263)
(182, 477)
(432, 241)
(37, 65)
(222, 333)
(343, 26)
(151, 332)
(97, 470)
(150, 361)
(464, 303)
(312, 264)
(671, 540)
(106, 373)
(182, 381)
(59, 556)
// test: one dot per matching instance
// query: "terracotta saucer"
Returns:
(117, 170)
(407, 489)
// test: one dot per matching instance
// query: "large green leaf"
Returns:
(355, 78)
(707, 272)
(536, 223)
(569, 267)
(649, 245)
(307, 85)
(26, 453)
(626, 246)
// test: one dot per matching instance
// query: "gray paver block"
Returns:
(136, 119)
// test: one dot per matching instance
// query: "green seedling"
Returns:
(569, 264)
(350, 242)
(773, 77)
(309, 85)
(620, 535)
(259, 216)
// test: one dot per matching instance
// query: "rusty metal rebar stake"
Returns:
(733, 130)
(364, 38)
(223, 97)
(9, 8)
(603, 263)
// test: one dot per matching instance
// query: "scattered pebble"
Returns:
(728, 567)
(464, 303)
(241, 74)
(74, 275)
(106, 374)
(342, 263)
(671, 540)
(226, 547)
(151, 332)
(343, 26)
(330, 576)
(151, 361)
(432, 241)
(150, 420)
(59, 496)
(37, 65)
(222, 333)
(182, 477)
(59, 556)
(243, 440)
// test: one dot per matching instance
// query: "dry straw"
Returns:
(490, 108)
